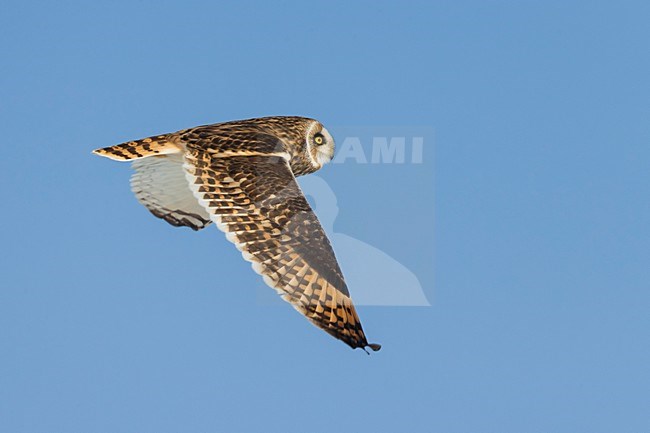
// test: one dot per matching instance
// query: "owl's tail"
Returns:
(158, 145)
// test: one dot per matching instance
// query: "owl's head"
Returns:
(319, 144)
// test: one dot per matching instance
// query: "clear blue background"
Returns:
(112, 321)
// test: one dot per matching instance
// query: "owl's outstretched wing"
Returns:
(159, 179)
(256, 201)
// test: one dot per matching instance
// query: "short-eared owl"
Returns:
(241, 176)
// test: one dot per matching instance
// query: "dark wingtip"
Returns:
(374, 346)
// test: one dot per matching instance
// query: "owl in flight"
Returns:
(241, 176)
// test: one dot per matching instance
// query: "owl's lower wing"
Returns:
(257, 202)
(159, 184)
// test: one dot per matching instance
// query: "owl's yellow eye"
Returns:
(319, 139)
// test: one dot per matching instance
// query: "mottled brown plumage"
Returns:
(240, 175)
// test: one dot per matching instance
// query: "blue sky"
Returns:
(535, 263)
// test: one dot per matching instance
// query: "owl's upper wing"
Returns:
(254, 198)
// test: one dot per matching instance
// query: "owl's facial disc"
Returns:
(322, 145)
